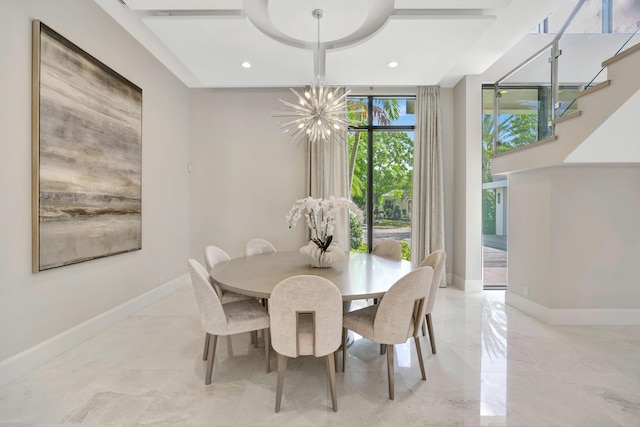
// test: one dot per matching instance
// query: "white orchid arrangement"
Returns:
(321, 217)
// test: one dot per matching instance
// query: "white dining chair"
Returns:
(213, 255)
(306, 319)
(225, 319)
(394, 320)
(388, 248)
(436, 260)
(259, 246)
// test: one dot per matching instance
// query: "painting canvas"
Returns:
(87, 151)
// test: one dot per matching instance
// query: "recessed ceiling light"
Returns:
(246, 64)
(393, 64)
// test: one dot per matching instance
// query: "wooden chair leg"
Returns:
(212, 354)
(420, 361)
(335, 360)
(267, 348)
(390, 370)
(206, 345)
(424, 329)
(344, 349)
(331, 374)
(432, 337)
(282, 366)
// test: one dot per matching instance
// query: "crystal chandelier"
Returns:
(321, 111)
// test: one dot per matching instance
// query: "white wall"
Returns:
(246, 172)
(36, 307)
(574, 243)
(449, 169)
(467, 215)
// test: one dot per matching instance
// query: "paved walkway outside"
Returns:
(494, 253)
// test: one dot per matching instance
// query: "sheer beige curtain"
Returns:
(428, 201)
(327, 176)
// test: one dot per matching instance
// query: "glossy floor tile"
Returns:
(495, 367)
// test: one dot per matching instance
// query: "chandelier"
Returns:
(320, 111)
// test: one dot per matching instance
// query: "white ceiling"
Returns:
(204, 42)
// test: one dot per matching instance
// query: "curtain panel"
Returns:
(428, 190)
(327, 176)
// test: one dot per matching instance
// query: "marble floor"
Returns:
(495, 367)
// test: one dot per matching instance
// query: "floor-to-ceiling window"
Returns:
(381, 168)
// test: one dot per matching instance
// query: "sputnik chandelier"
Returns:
(321, 111)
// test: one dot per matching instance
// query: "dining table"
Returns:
(358, 276)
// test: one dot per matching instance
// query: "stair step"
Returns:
(533, 144)
(566, 117)
(621, 55)
(593, 88)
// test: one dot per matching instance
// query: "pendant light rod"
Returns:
(320, 53)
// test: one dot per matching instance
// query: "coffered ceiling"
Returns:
(205, 42)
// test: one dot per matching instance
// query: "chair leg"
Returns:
(331, 374)
(344, 349)
(254, 338)
(383, 348)
(390, 370)
(432, 337)
(267, 348)
(335, 360)
(206, 345)
(420, 361)
(282, 366)
(212, 354)
(424, 328)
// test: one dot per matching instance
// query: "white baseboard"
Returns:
(467, 285)
(30, 359)
(573, 316)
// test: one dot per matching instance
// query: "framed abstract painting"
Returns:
(87, 155)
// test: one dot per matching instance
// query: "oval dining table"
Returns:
(358, 276)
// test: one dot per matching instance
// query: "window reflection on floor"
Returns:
(493, 384)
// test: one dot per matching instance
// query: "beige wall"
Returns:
(246, 173)
(574, 238)
(35, 307)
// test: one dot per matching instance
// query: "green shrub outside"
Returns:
(355, 231)
(406, 249)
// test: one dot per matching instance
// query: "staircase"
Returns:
(603, 130)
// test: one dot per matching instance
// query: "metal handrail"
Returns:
(555, 53)
(557, 37)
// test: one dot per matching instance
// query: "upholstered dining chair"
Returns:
(395, 319)
(225, 319)
(388, 248)
(259, 246)
(306, 319)
(435, 260)
(213, 255)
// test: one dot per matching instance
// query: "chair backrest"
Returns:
(388, 248)
(211, 311)
(258, 246)
(214, 255)
(436, 260)
(305, 294)
(401, 310)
